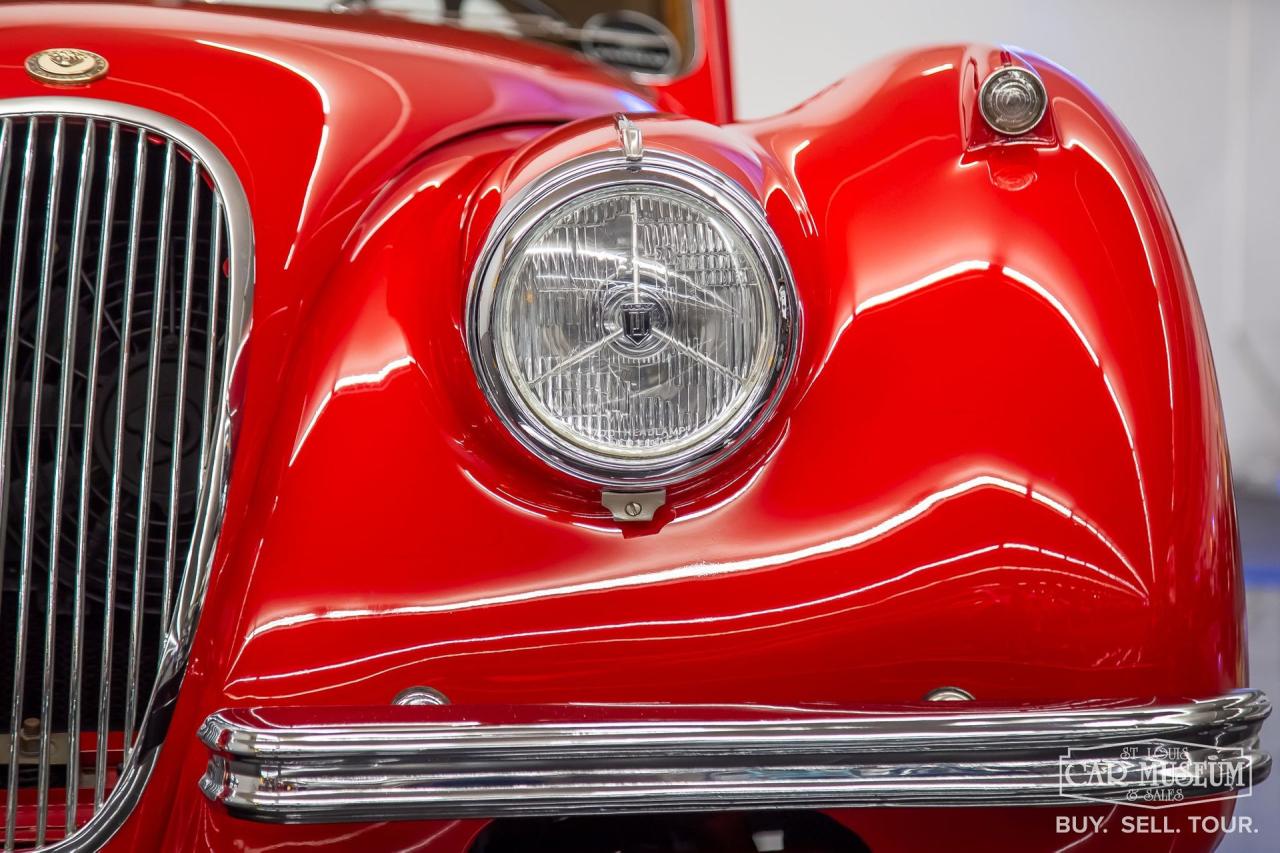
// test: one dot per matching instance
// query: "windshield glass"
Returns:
(651, 39)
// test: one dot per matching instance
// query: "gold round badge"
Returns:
(64, 65)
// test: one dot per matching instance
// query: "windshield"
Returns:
(651, 39)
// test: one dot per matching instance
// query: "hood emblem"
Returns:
(66, 65)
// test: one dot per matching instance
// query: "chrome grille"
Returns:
(120, 329)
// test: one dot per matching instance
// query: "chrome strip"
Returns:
(175, 455)
(33, 457)
(83, 182)
(215, 241)
(104, 259)
(6, 422)
(113, 531)
(154, 363)
(19, 261)
(444, 763)
(118, 804)
(82, 515)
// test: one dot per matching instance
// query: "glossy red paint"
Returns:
(1000, 465)
(906, 830)
(705, 90)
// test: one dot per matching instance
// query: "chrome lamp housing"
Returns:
(632, 321)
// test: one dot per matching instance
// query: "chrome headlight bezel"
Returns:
(549, 193)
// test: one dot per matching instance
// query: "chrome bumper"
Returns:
(334, 764)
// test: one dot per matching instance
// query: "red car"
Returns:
(451, 431)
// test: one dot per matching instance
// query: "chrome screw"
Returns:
(29, 736)
(420, 696)
(633, 509)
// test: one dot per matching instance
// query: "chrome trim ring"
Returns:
(347, 764)
(1034, 83)
(212, 495)
(591, 173)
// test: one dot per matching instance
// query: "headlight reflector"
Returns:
(631, 325)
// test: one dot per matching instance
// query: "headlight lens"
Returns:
(635, 322)
(630, 325)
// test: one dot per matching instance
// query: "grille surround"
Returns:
(191, 573)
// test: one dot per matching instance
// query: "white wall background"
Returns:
(1196, 84)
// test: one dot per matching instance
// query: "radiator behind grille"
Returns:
(115, 274)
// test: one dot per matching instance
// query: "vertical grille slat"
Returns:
(102, 723)
(7, 390)
(20, 622)
(120, 324)
(126, 334)
(70, 331)
(6, 134)
(210, 411)
(38, 382)
(66, 372)
(148, 448)
(175, 457)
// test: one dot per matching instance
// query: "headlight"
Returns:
(632, 323)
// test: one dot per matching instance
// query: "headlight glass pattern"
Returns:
(634, 327)
(636, 322)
